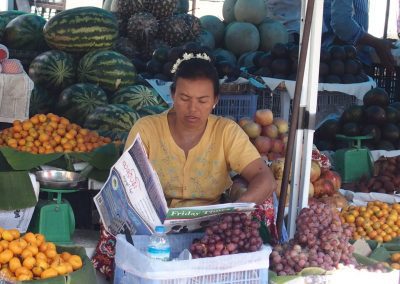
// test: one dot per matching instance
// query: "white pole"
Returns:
(6, 5)
(301, 164)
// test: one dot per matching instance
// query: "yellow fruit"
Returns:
(5, 256)
(41, 255)
(395, 257)
(26, 253)
(65, 255)
(22, 270)
(51, 253)
(51, 245)
(75, 261)
(14, 264)
(29, 262)
(24, 277)
(69, 267)
(6, 235)
(37, 271)
(43, 247)
(34, 249)
(61, 269)
(22, 243)
(42, 264)
(15, 247)
(1, 230)
(395, 265)
(15, 233)
(48, 273)
(40, 239)
(30, 238)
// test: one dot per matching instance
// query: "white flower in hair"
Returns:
(188, 56)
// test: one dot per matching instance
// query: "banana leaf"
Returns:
(85, 275)
(380, 254)
(101, 158)
(16, 191)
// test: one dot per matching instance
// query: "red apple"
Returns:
(263, 144)
(244, 120)
(334, 177)
(270, 131)
(277, 146)
(323, 187)
(315, 171)
(252, 129)
(282, 125)
(264, 117)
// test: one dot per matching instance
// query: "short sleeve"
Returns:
(141, 127)
(239, 151)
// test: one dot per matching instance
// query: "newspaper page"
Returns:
(187, 219)
(131, 194)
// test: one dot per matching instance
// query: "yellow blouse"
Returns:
(203, 176)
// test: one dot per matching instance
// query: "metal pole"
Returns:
(193, 7)
(295, 115)
(386, 18)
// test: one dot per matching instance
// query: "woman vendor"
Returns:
(193, 151)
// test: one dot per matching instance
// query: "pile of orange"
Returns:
(30, 257)
(377, 221)
(45, 134)
(395, 260)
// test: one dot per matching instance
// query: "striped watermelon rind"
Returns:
(40, 101)
(112, 117)
(109, 69)
(81, 29)
(77, 101)
(25, 32)
(5, 18)
(53, 69)
(151, 110)
(136, 96)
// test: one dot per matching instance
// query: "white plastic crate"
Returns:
(132, 266)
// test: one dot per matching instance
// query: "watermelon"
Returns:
(53, 69)
(241, 37)
(41, 101)
(150, 110)
(115, 135)
(109, 69)
(81, 29)
(78, 100)
(112, 117)
(25, 32)
(136, 97)
(5, 18)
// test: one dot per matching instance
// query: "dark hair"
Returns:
(196, 68)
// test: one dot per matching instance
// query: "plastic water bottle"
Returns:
(158, 247)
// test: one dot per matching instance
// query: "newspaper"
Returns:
(132, 198)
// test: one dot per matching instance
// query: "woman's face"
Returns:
(193, 101)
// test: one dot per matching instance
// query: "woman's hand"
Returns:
(383, 48)
(261, 182)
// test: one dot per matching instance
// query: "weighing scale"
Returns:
(355, 161)
(54, 217)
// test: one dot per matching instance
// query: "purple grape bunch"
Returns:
(231, 233)
(321, 240)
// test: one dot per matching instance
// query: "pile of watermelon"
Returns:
(76, 74)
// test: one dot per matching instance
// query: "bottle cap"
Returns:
(160, 229)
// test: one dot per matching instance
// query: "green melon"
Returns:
(112, 117)
(221, 54)
(241, 37)
(215, 26)
(109, 69)
(206, 39)
(228, 12)
(5, 18)
(81, 29)
(136, 97)
(25, 32)
(40, 101)
(78, 100)
(251, 11)
(271, 33)
(53, 69)
(115, 135)
(151, 110)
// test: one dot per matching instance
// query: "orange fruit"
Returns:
(29, 262)
(37, 271)
(5, 256)
(395, 257)
(75, 261)
(49, 273)
(14, 264)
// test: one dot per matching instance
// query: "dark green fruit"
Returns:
(352, 66)
(352, 114)
(392, 114)
(375, 115)
(336, 67)
(281, 66)
(328, 130)
(333, 79)
(351, 51)
(391, 132)
(385, 145)
(376, 96)
(351, 129)
(348, 79)
(373, 130)
(323, 69)
(337, 52)
(280, 51)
